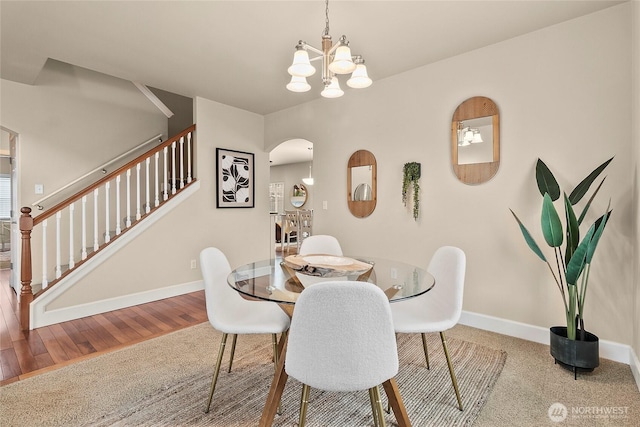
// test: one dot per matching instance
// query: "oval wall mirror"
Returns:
(362, 183)
(298, 195)
(475, 140)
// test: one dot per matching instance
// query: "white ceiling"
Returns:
(237, 52)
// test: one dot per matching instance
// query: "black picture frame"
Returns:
(235, 175)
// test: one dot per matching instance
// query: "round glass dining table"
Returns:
(283, 281)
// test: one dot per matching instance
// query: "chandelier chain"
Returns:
(326, 20)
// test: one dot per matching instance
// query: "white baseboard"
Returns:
(635, 366)
(608, 349)
(51, 317)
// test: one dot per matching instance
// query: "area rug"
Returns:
(240, 395)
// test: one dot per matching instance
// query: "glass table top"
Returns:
(283, 281)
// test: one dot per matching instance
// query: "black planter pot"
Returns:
(574, 354)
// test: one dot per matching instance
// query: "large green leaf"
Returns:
(582, 188)
(546, 181)
(599, 228)
(551, 224)
(578, 261)
(586, 207)
(529, 239)
(573, 232)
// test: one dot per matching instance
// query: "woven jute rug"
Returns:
(240, 395)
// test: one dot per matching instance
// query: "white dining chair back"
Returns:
(439, 309)
(229, 313)
(342, 339)
(320, 244)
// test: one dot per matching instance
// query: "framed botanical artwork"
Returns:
(236, 179)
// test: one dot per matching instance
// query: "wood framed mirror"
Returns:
(298, 195)
(362, 188)
(475, 140)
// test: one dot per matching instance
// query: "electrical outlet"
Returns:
(324, 205)
(193, 264)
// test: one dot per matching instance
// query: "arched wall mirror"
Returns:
(362, 183)
(298, 195)
(475, 140)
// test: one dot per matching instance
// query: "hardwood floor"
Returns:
(26, 354)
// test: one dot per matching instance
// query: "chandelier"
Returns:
(336, 59)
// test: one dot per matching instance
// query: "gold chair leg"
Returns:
(304, 401)
(216, 371)
(376, 406)
(424, 346)
(274, 344)
(233, 350)
(453, 375)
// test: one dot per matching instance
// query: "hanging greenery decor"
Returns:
(411, 176)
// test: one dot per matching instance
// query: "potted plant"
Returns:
(571, 345)
(410, 176)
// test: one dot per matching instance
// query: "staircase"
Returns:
(60, 240)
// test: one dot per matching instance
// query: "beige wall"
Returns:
(72, 121)
(635, 170)
(292, 174)
(564, 94)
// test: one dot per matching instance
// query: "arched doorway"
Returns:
(291, 167)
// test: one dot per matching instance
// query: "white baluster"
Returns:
(107, 233)
(118, 229)
(84, 227)
(147, 206)
(189, 157)
(45, 282)
(173, 168)
(138, 216)
(58, 267)
(157, 180)
(96, 245)
(128, 218)
(181, 161)
(165, 178)
(72, 261)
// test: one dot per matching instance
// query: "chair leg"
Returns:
(233, 350)
(216, 371)
(376, 406)
(453, 375)
(304, 401)
(424, 346)
(274, 344)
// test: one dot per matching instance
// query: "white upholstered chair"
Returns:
(320, 244)
(440, 308)
(229, 313)
(342, 339)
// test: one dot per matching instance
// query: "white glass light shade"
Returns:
(301, 67)
(298, 84)
(476, 138)
(342, 62)
(308, 181)
(333, 90)
(468, 136)
(463, 143)
(359, 79)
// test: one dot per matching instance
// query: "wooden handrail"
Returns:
(51, 211)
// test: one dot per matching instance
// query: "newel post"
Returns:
(26, 293)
